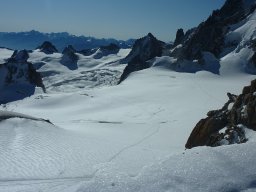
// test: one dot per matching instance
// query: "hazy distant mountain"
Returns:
(32, 39)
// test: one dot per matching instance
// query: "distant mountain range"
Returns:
(32, 39)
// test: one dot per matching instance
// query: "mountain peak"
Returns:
(150, 35)
(144, 49)
(19, 56)
(48, 48)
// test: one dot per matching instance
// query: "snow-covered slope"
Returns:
(122, 138)
(243, 35)
(5, 54)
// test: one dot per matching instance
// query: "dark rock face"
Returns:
(69, 58)
(48, 48)
(19, 69)
(111, 48)
(253, 59)
(18, 74)
(209, 35)
(179, 37)
(226, 126)
(143, 50)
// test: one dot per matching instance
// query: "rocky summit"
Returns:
(19, 74)
(69, 58)
(143, 50)
(48, 48)
(226, 125)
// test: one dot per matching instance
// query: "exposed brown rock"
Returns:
(204, 129)
(243, 113)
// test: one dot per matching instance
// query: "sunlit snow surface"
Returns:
(127, 137)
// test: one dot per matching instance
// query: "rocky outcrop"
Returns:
(69, 58)
(226, 125)
(143, 50)
(179, 37)
(111, 48)
(48, 48)
(18, 74)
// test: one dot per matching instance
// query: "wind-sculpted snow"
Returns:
(228, 168)
(9, 115)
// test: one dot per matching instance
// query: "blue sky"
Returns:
(121, 19)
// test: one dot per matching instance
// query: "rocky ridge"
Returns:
(210, 37)
(143, 50)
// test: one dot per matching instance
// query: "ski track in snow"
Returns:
(28, 181)
(135, 144)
